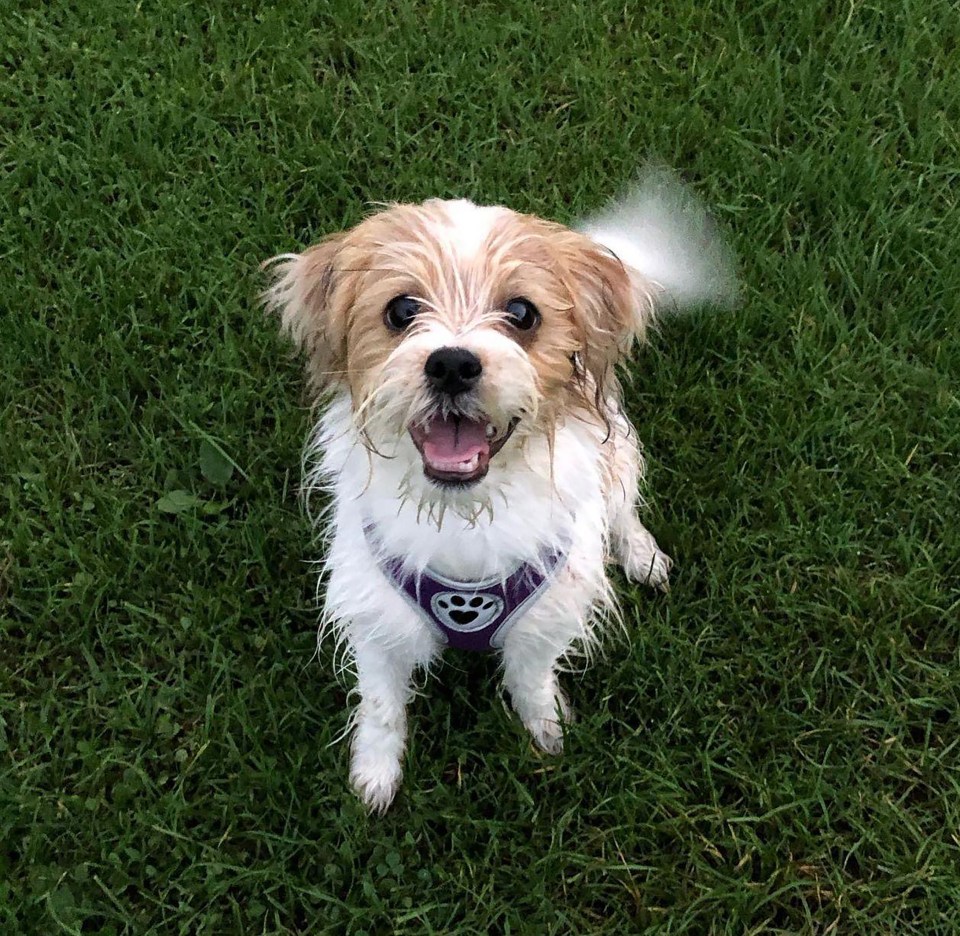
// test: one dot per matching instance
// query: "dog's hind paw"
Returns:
(647, 564)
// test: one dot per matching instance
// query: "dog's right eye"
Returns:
(400, 312)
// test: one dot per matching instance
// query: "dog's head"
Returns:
(459, 331)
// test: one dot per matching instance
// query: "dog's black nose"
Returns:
(452, 370)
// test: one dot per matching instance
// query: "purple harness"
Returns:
(471, 615)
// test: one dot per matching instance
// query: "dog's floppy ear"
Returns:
(303, 292)
(613, 307)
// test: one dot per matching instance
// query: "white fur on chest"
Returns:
(525, 503)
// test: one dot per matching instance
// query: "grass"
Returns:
(775, 749)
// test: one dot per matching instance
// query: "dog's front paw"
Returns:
(376, 781)
(546, 727)
(648, 564)
(375, 778)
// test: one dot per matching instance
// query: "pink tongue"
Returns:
(449, 441)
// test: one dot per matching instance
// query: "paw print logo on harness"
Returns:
(466, 611)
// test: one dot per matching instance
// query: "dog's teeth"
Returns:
(491, 431)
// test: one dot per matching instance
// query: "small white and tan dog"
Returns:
(479, 466)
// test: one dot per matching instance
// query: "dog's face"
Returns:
(459, 331)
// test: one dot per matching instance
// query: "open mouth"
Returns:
(457, 450)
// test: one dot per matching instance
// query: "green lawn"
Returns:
(774, 750)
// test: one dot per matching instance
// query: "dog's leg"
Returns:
(632, 543)
(384, 680)
(529, 675)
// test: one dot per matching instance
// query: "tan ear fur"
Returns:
(301, 292)
(613, 308)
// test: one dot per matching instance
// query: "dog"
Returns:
(478, 465)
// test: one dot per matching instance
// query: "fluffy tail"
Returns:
(663, 231)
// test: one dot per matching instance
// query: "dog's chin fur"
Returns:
(567, 474)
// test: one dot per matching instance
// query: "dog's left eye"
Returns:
(522, 313)
(400, 312)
